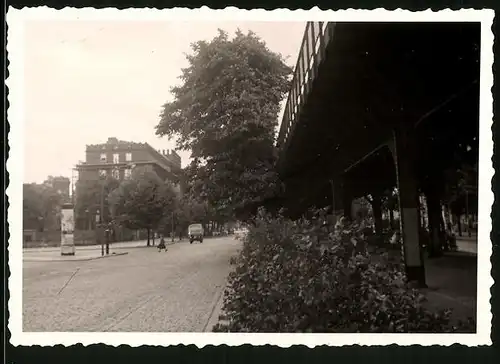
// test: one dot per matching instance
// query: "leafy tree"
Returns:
(88, 200)
(390, 204)
(186, 211)
(41, 204)
(225, 112)
(197, 204)
(142, 202)
(458, 183)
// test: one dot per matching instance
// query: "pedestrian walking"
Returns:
(162, 245)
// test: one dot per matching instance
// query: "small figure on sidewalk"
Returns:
(162, 245)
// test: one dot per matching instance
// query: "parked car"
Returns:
(195, 233)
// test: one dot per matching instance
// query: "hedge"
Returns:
(304, 276)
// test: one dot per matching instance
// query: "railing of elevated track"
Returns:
(312, 52)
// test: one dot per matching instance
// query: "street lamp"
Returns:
(172, 226)
(106, 236)
(98, 220)
(87, 220)
(104, 228)
(40, 223)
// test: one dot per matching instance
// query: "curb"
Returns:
(92, 247)
(216, 311)
(29, 259)
(462, 301)
(96, 247)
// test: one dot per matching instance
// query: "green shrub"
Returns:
(304, 277)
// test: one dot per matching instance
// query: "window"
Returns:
(116, 173)
(127, 173)
(102, 173)
(128, 157)
(116, 158)
(103, 157)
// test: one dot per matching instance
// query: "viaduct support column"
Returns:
(404, 152)
(347, 201)
(434, 208)
(334, 207)
(377, 216)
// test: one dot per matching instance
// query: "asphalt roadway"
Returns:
(143, 291)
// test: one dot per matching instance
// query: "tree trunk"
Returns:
(459, 225)
(434, 214)
(347, 206)
(391, 218)
(443, 234)
(377, 216)
(447, 216)
(423, 213)
(148, 236)
(154, 234)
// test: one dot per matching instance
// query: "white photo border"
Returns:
(15, 46)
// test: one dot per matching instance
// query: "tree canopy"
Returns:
(225, 112)
(41, 205)
(88, 199)
(142, 201)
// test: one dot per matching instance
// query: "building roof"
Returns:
(170, 156)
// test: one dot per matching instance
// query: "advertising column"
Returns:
(67, 229)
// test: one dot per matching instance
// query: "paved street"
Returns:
(144, 290)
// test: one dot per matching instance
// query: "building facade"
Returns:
(117, 158)
(61, 185)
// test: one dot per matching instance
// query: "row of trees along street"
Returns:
(458, 201)
(143, 202)
(446, 204)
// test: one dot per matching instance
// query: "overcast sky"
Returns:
(86, 81)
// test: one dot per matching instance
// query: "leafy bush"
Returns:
(304, 277)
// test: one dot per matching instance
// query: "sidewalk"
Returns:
(112, 246)
(80, 255)
(467, 245)
(452, 282)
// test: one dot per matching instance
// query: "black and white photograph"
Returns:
(188, 176)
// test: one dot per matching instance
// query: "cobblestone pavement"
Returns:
(144, 290)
